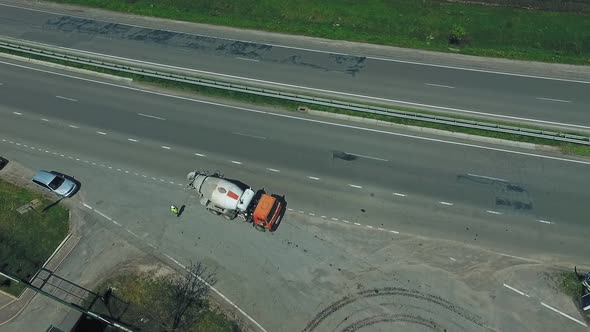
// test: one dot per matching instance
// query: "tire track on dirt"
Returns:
(390, 291)
(392, 318)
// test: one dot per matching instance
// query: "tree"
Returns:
(187, 295)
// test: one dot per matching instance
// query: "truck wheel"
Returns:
(227, 217)
(214, 212)
(259, 228)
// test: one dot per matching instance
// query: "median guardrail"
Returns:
(179, 75)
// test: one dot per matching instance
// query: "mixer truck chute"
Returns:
(230, 199)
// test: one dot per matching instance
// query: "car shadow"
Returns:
(3, 162)
(78, 185)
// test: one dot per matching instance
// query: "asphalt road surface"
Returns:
(518, 200)
(509, 97)
(362, 200)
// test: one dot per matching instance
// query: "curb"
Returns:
(66, 68)
(440, 132)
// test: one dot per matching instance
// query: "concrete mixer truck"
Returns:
(231, 198)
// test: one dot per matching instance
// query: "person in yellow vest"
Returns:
(174, 210)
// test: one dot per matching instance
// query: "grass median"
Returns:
(567, 148)
(540, 30)
(27, 240)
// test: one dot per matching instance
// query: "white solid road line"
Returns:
(517, 257)
(297, 48)
(364, 156)
(556, 100)
(487, 177)
(246, 59)
(564, 314)
(248, 135)
(440, 85)
(516, 290)
(220, 295)
(65, 98)
(475, 146)
(151, 116)
(446, 203)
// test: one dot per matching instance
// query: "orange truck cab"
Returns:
(269, 212)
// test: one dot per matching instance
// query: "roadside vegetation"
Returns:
(541, 30)
(151, 301)
(27, 240)
(571, 284)
(564, 147)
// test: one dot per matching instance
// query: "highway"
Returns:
(403, 183)
(362, 200)
(506, 97)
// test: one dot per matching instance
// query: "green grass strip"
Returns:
(27, 240)
(550, 33)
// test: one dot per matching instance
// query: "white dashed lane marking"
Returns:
(273, 170)
(72, 126)
(493, 212)
(165, 147)
(440, 85)
(400, 195)
(564, 314)
(246, 59)
(236, 162)
(200, 154)
(151, 116)
(516, 290)
(487, 177)
(364, 156)
(66, 98)
(132, 139)
(101, 132)
(446, 203)
(17, 113)
(248, 135)
(355, 186)
(313, 178)
(555, 100)
(43, 119)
